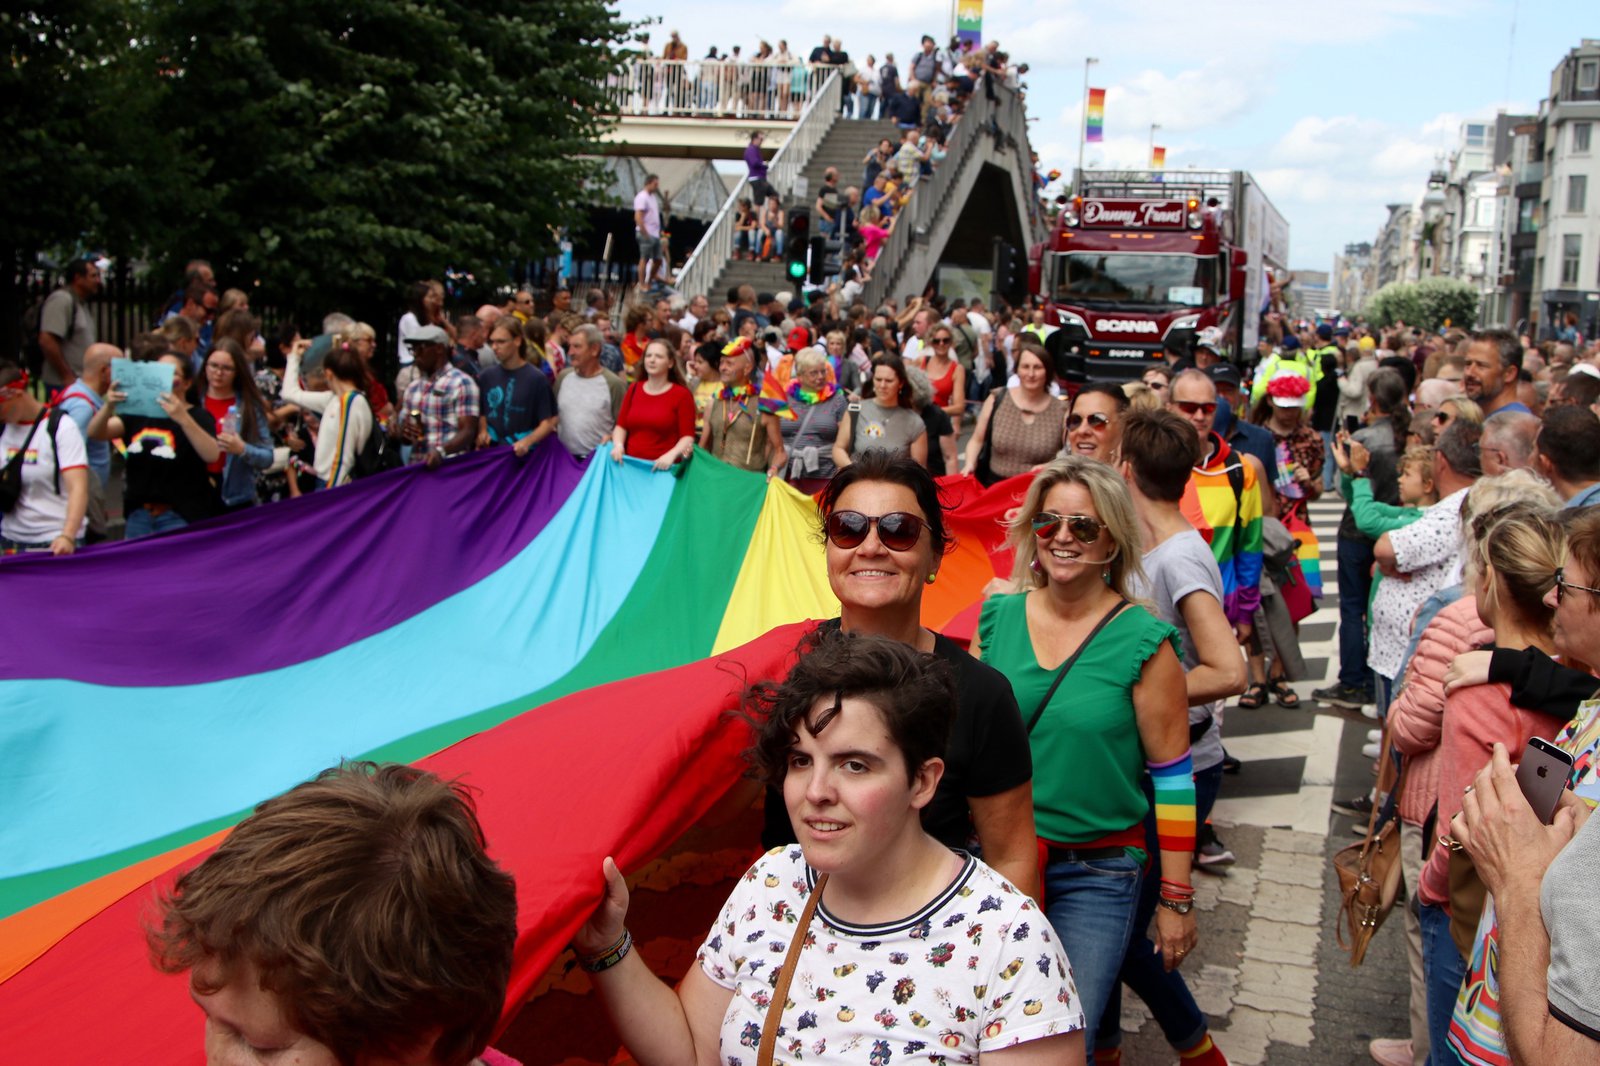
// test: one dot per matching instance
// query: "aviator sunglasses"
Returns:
(897, 530)
(1085, 528)
(1096, 421)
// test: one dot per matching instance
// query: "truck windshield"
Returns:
(1147, 280)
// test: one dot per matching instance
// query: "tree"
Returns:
(87, 165)
(1448, 301)
(343, 150)
(1395, 302)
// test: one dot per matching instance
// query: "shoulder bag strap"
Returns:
(1038, 712)
(780, 992)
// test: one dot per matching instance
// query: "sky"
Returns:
(1336, 108)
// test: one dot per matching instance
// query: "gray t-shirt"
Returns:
(1566, 901)
(584, 405)
(68, 318)
(890, 428)
(1182, 565)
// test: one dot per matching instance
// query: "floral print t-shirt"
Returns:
(976, 970)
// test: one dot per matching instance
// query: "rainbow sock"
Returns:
(1204, 1053)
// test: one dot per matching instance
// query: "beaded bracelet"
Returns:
(608, 958)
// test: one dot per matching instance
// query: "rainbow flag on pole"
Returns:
(1094, 130)
(567, 639)
(1158, 158)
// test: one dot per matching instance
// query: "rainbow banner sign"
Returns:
(1158, 158)
(1095, 127)
(969, 22)
(566, 639)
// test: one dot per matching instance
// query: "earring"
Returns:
(1105, 575)
(931, 578)
(1035, 567)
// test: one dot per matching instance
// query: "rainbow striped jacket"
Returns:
(1230, 523)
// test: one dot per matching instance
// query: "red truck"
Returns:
(1136, 257)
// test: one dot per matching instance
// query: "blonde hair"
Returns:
(1467, 410)
(1141, 397)
(1491, 493)
(1112, 504)
(810, 358)
(1519, 546)
(360, 331)
(1421, 455)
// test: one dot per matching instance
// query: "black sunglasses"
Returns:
(940, 340)
(1085, 528)
(1563, 585)
(897, 530)
(1096, 421)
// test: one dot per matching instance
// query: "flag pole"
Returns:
(1153, 127)
(1083, 124)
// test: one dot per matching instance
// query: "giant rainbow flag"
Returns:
(565, 639)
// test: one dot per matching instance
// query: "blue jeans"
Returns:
(1181, 1019)
(1355, 587)
(1091, 906)
(1443, 970)
(141, 523)
(1330, 469)
(1383, 689)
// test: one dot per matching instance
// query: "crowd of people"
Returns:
(1061, 770)
(775, 82)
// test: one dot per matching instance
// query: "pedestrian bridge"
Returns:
(983, 189)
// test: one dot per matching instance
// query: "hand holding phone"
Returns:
(1542, 776)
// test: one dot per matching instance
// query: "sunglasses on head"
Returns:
(897, 530)
(1085, 528)
(1189, 407)
(1096, 421)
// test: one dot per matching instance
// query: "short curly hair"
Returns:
(365, 901)
(914, 691)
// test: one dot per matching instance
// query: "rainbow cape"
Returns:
(566, 639)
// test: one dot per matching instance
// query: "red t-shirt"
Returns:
(656, 423)
(218, 409)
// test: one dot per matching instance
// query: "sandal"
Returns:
(1286, 696)
(1254, 696)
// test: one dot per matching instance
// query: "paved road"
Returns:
(1269, 971)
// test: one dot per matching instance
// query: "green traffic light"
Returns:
(797, 270)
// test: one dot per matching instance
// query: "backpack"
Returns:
(378, 454)
(11, 473)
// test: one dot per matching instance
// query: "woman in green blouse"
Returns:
(1101, 690)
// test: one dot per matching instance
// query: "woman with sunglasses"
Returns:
(949, 380)
(885, 537)
(1094, 428)
(1102, 693)
(1020, 426)
(886, 422)
(871, 941)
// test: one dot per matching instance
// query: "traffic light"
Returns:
(827, 259)
(1010, 271)
(797, 243)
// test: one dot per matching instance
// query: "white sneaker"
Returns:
(1371, 749)
(1374, 735)
(1391, 1052)
(1369, 710)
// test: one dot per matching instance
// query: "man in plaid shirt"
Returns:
(440, 415)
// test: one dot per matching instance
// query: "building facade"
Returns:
(1567, 264)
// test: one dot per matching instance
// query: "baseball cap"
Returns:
(428, 335)
(1325, 331)
(1290, 342)
(1225, 374)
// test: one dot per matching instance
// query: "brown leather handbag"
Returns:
(1369, 872)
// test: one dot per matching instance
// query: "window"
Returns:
(1525, 217)
(1571, 253)
(1580, 136)
(1577, 193)
(1474, 135)
(1589, 75)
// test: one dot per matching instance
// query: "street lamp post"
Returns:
(1083, 124)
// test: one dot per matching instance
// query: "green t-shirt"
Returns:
(1087, 756)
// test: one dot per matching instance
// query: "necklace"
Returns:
(798, 393)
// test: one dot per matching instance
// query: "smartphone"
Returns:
(1542, 775)
(1352, 424)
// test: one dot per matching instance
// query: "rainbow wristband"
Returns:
(1174, 788)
